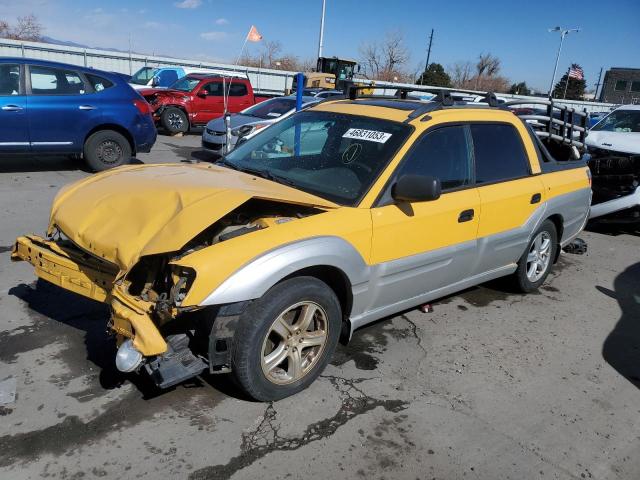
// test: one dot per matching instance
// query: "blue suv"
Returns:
(55, 108)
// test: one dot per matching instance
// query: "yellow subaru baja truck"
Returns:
(342, 214)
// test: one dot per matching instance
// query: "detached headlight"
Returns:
(182, 278)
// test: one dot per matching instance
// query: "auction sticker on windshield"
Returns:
(369, 135)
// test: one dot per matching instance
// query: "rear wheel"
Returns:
(106, 149)
(286, 338)
(536, 262)
(174, 121)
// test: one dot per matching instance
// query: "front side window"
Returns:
(55, 81)
(625, 121)
(621, 86)
(635, 86)
(499, 153)
(213, 89)
(441, 153)
(9, 79)
(334, 156)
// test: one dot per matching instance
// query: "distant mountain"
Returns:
(67, 43)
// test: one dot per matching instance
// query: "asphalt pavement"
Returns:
(489, 385)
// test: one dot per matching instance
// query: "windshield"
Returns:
(142, 76)
(334, 156)
(185, 84)
(271, 108)
(625, 121)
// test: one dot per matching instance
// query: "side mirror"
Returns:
(416, 188)
(155, 81)
(203, 93)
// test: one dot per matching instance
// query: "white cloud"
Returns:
(188, 4)
(152, 25)
(213, 35)
(222, 21)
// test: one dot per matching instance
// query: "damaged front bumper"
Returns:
(629, 203)
(72, 269)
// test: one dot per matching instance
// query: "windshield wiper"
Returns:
(256, 171)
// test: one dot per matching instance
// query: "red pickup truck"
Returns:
(197, 98)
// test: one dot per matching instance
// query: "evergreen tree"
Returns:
(434, 76)
(520, 89)
(575, 88)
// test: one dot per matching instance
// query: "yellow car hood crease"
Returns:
(135, 211)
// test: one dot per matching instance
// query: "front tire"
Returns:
(285, 339)
(174, 121)
(536, 262)
(106, 149)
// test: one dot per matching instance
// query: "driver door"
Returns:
(425, 246)
(209, 102)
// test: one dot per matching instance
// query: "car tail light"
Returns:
(143, 106)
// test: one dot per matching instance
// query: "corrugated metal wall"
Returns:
(263, 80)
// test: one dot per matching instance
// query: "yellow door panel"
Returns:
(409, 229)
(508, 205)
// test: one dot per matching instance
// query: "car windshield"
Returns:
(185, 84)
(334, 156)
(142, 76)
(272, 108)
(625, 121)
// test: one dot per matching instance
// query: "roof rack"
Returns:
(571, 122)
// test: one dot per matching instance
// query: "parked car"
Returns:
(321, 93)
(198, 98)
(337, 216)
(55, 108)
(250, 121)
(614, 145)
(164, 77)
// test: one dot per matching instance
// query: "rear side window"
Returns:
(238, 90)
(98, 83)
(55, 81)
(499, 153)
(441, 153)
(9, 79)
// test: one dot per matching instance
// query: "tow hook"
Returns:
(175, 365)
(577, 247)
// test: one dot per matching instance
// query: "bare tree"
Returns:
(461, 73)
(27, 28)
(385, 60)
(4, 29)
(271, 52)
(488, 64)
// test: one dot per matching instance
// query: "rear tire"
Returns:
(174, 121)
(536, 262)
(106, 149)
(285, 339)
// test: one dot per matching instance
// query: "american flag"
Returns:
(576, 72)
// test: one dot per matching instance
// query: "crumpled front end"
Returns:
(616, 185)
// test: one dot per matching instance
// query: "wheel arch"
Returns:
(116, 128)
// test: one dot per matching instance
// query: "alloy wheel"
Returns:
(294, 343)
(539, 256)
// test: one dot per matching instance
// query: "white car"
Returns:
(250, 121)
(614, 145)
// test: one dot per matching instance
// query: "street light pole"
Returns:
(324, 4)
(563, 33)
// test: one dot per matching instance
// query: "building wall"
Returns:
(621, 85)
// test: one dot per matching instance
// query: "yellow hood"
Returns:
(128, 212)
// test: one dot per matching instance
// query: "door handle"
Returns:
(87, 107)
(535, 198)
(466, 216)
(11, 108)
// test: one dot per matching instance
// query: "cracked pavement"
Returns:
(490, 385)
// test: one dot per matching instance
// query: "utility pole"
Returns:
(324, 5)
(429, 50)
(595, 94)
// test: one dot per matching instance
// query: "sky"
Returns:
(515, 32)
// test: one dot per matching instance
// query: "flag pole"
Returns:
(564, 95)
(225, 97)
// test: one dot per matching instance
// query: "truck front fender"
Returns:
(256, 277)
